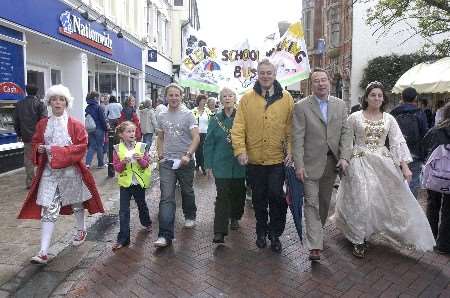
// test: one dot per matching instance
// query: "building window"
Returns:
(55, 76)
(160, 30)
(333, 26)
(178, 2)
(98, 4)
(128, 14)
(167, 36)
(149, 19)
(308, 28)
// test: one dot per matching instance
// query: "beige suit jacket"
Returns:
(312, 137)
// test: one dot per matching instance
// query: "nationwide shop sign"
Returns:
(209, 68)
(12, 71)
(74, 27)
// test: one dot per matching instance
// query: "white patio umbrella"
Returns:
(426, 77)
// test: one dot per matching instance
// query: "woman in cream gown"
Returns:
(373, 198)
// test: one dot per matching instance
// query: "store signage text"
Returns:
(10, 88)
(73, 27)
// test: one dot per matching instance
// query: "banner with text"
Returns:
(208, 68)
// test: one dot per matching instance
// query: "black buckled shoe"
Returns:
(261, 241)
(359, 250)
(275, 245)
(234, 224)
(219, 238)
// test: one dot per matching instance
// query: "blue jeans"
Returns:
(167, 204)
(126, 193)
(416, 168)
(95, 144)
(147, 139)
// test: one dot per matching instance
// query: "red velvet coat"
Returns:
(62, 157)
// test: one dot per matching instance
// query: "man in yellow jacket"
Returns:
(261, 138)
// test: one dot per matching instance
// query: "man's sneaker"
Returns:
(79, 238)
(189, 223)
(39, 259)
(161, 242)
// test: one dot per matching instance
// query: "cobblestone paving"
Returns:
(194, 266)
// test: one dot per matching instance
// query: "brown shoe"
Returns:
(314, 254)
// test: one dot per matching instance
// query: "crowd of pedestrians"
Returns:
(377, 157)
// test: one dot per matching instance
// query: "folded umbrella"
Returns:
(294, 198)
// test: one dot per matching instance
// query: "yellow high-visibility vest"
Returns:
(142, 176)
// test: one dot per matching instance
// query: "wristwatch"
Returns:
(188, 154)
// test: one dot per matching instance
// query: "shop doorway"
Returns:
(36, 76)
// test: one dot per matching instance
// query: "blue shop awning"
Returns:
(157, 77)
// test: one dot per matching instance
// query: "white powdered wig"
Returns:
(59, 90)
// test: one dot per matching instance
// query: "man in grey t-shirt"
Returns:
(178, 138)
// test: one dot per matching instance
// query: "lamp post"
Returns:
(111, 134)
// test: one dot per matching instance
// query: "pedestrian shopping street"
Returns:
(195, 267)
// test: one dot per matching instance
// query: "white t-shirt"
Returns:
(203, 123)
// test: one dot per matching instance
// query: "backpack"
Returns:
(436, 172)
(89, 123)
(409, 125)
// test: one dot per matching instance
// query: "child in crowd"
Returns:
(132, 161)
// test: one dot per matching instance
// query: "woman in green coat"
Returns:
(221, 164)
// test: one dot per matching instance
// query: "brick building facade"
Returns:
(328, 35)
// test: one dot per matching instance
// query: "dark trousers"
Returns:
(167, 204)
(439, 203)
(199, 159)
(229, 202)
(267, 191)
(126, 193)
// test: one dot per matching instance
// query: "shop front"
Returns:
(51, 43)
(158, 74)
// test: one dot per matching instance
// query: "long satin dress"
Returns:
(373, 200)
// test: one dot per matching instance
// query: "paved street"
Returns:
(194, 266)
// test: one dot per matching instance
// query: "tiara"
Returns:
(374, 83)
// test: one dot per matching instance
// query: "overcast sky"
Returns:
(228, 23)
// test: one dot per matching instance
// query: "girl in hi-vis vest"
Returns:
(132, 162)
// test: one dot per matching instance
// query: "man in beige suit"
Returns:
(318, 137)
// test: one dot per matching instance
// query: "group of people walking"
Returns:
(249, 143)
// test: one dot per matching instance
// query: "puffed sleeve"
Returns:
(346, 142)
(397, 143)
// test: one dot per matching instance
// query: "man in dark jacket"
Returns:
(414, 125)
(97, 136)
(27, 113)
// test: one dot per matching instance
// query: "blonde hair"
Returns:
(122, 126)
(175, 86)
(226, 89)
(59, 90)
(129, 99)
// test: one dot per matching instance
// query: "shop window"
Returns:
(55, 76)
(178, 2)
(107, 82)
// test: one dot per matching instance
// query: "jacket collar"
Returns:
(277, 94)
(312, 100)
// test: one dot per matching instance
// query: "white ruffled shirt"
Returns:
(68, 180)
